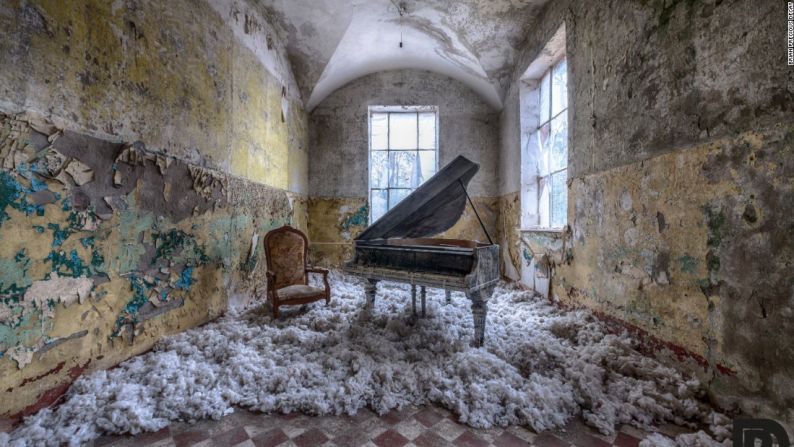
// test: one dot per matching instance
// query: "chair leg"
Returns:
(275, 311)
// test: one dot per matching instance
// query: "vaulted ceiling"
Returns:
(332, 42)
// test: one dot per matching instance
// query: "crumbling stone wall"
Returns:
(339, 162)
(145, 148)
(681, 155)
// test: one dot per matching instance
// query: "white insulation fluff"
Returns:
(540, 368)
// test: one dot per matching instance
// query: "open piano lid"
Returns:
(433, 207)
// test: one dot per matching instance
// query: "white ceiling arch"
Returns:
(333, 42)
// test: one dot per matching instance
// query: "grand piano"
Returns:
(399, 247)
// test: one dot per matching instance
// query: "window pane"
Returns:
(380, 130)
(402, 169)
(559, 199)
(558, 143)
(379, 169)
(545, 97)
(544, 144)
(427, 165)
(543, 201)
(559, 88)
(377, 202)
(427, 130)
(396, 195)
(402, 130)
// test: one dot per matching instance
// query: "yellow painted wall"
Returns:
(171, 74)
(334, 223)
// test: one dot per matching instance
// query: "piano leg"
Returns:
(479, 310)
(424, 298)
(370, 289)
(413, 299)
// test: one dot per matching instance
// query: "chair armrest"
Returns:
(323, 272)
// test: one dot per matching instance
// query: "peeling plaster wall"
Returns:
(338, 167)
(202, 81)
(143, 145)
(681, 186)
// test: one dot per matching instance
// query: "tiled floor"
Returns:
(421, 427)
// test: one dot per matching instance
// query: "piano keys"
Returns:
(399, 247)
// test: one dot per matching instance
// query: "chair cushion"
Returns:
(299, 291)
(285, 250)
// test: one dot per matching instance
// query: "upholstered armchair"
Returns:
(286, 249)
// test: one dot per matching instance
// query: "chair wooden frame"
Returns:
(272, 293)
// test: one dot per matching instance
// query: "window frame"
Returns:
(389, 110)
(545, 175)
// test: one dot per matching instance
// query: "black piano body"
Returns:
(398, 247)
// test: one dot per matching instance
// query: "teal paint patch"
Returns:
(527, 256)
(172, 248)
(185, 279)
(75, 222)
(58, 235)
(358, 219)
(87, 242)
(39, 229)
(179, 247)
(68, 264)
(14, 274)
(140, 290)
(688, 264)
(28, 331)
(35, 184)
(14, 195)
(97, 260)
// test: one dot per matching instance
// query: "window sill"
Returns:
(542, 230)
